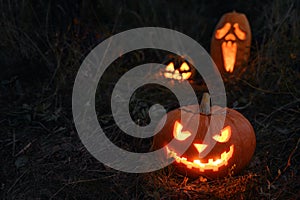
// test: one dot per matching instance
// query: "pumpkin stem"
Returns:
(205, 104)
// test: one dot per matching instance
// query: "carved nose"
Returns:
(200, 147)
(230, 36)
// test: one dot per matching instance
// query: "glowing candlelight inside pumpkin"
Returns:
(182, 73)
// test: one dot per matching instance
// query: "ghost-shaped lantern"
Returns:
(230, 44)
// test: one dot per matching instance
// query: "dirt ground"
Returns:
(43, 45)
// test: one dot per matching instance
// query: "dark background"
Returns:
(42, 46)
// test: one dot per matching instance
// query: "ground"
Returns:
(43, 45)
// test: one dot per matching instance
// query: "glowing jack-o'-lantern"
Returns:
(232, 146)
(231, 41)
(184, 72)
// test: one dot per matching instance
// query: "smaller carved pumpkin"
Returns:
(177, 68)
(231, 147)
(182, 73)
(230, 44)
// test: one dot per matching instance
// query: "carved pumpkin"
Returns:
(232, 146)
(177, 68)
(182, 73)
(230, 44)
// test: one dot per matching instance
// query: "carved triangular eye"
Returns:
(238, 32)
(224, 136)
(170, 67)
(184, 67)
(169, 70)
(178, 133)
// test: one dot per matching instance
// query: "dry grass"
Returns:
(41, 154)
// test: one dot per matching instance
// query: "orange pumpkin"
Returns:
(230, 148)
(230, 44)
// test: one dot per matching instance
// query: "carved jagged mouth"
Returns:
(210, 165)
(177, 75)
